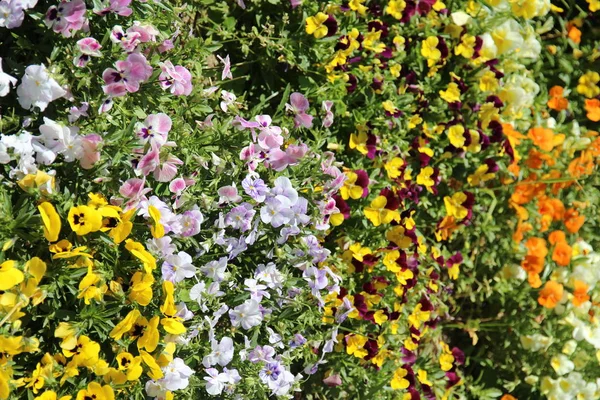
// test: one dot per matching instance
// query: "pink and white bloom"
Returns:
(280, 160)
(226, 67)
(77, 112)
(228, 194)
(155, 129)
(67, 18)
(299, 105)
(228, 100)
(6, 81)
(247, 314)
(127, 76)
(177, 79)
(147, 33)
(38, 89)
(167, 170)
(165, 46)
(88, 47)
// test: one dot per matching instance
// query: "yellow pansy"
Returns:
(125, 325)
(396, 235)
(138, 250)
(399, 380)
(378, 214)
(429, 48)
(454, 206)
(357, 5)
(150, 336)
(418, 316)
(157, 229)
(51, 221)
(424, 177)
(40, 180)
(392, 167)
(390, 261)
(456, 136)
(85, 353)
(587, 85)
(97, 392)
(395, 8)
(89, 288)
(130, 364)
(480, 175)
(451, 94)
(141, 288)
(10, 275)
(359, 142)
(350, 189)
(315, 25)
(380, 317)
(355, 346)
(122, 228)
(173, 326)
(422, 377)
(168, 306)
(155, 371)
(84, 219)
(51, 395)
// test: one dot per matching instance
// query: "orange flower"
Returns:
(522, 228)
(573, 221)
(551, 210)
(534, 280)
(532, 264)
(557, 236)
(523, 194)
(542, 137)
(508, 397)
(592, 107)
(551, 294)
(580, 295)
(574, 34)
(595, 147)
(582, 165)
(536, 247)
(557, 102)
(562, 253)
(534, 161)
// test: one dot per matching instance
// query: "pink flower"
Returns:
(128, 41)
(299, 105)
(67, 17)
(328, 120)
(177, 186)
(226, 68)
(176, 78)
(127, 76)
(166, 46)
(279, 160)
(88, 47)
(270, 138)
(166, 171)
(147, 33)
(149, 162)
(120, 7)
(91, 154)
(155, 129)
(333, 380)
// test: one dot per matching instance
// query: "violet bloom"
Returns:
(299, 105)
(66, 18)
(77, 112)
(240, 217)
(221, 353)
(247, 314)
(276, 211)
(271, 372)
(286, 232)
(316, 278)
(177, 79)
(262, 354)
(177, 267)
(215, 269)
(295, 3)
(283, 189)
(255, 188)
(300, 209)
(190, 222)
(88, 47)
(127, 76)
(154, 129)
(328, 119)
(11, 13)
(297, 341)
(166, 46)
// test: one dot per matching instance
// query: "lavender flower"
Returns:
(255, 188)
(240, 217)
